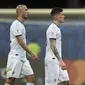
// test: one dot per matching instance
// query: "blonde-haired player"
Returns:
(17, 64)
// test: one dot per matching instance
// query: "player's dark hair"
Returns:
(56, 10)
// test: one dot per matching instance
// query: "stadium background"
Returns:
(73, 37)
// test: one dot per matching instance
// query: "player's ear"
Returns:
(55, 16)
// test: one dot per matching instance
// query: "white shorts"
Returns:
(17, 68)
(54, 74)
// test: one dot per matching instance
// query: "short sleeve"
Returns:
(52, 34)
(16, 31)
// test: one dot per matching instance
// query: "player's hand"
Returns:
(36, 58)
(62, 64)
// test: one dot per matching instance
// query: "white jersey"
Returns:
(53, 32)
(53, 71)
(16, 29)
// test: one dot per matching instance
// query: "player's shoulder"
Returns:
(52, 27)
(16, 25)
(16, 22)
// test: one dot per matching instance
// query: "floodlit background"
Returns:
(73, 36)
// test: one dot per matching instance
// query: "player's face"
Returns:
(25, 13)
(60, 17)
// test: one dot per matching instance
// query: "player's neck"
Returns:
(57, 23)
(20, 19)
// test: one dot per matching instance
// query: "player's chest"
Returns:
(23, 30)
(58, 33)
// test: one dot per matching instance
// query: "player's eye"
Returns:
(63, 14)
(26, 9)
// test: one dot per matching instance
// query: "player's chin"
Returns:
(62, 21)
(25, 17)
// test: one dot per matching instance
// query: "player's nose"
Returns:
(64, 16)
(28, 12)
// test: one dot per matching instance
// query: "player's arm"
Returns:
(17, 32)
(54, 49)
(24, 46)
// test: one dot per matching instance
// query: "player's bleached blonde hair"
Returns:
(19, 8)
